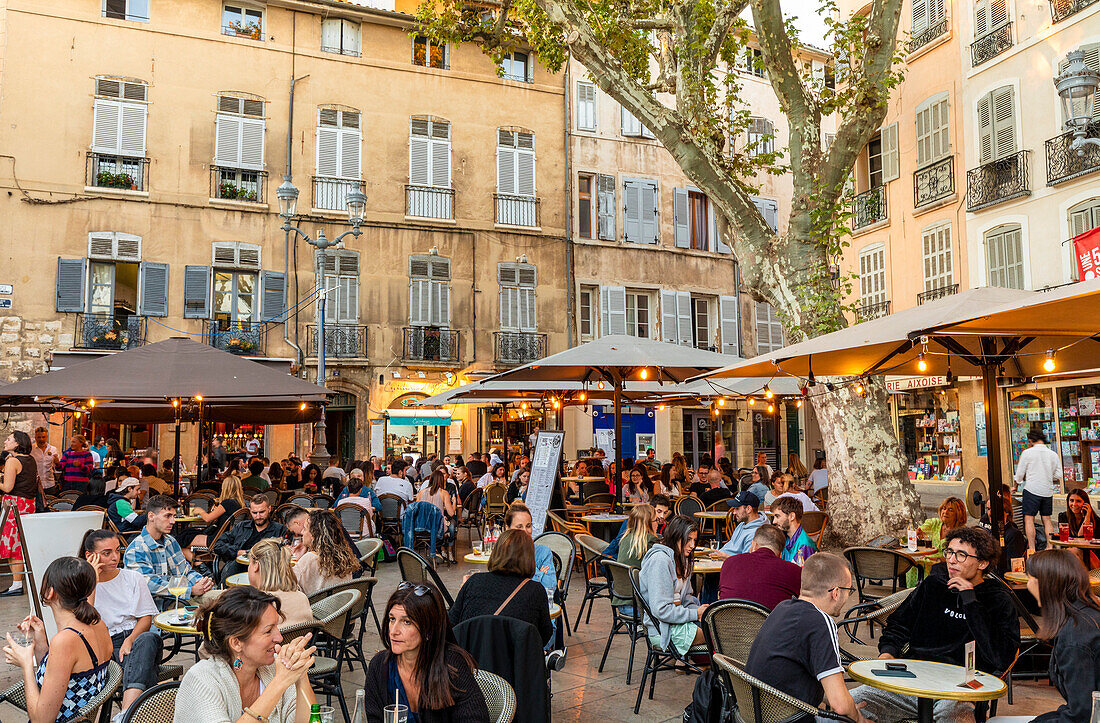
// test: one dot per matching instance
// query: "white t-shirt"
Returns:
(252, 446)
(122, 601)
(1037, 470)
(484, 480)
(395, 486)
(819, 478)
(334, 472)
(807, 504)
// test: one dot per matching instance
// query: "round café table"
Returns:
(243, 560)
(170, 622)
(238, 580)
(933, 681)
(604, 526)
(477, 559)
(187, 519)
(707, 566)
(1080, 544)
(710, 519)
(555, 611)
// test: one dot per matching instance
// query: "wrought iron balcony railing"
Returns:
(1062, 9)
(934, 182)
(517, 210)
(432, 344)
(872, 311)
(869, 207)
(429, 202)
(331, 194)
(926, 36)
(342, 341)
(107, 331)
(1063, 163)
(237, 337)
(937, 293)
(236, 184)
(997, 181)
(127, 173)
(991, 44)
(518, 347)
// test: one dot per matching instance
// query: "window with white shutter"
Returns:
(729, 321)
(586, 106)
(119, 117)
(429, 194)
(933, 130)
(936, 252)
(517, 297)
(891, 162)
(516, 204)
(669, 321)
(1004, 256)
(872, 275)
(760, 134)
(153, 291)
(1084, 217)
(640, 211)
(239, 133)
(429, 290)
(136, 10)
(769, 329)
(339, 142)
(340, 36)
(605, 207)
(989, 15)
(612, 310)
(632, 127)
(114, 246)
(997, 124)
(341, 276)
(769, 209)
(235, 255)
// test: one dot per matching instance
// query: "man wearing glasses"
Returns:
(952, 606)
(796, 650)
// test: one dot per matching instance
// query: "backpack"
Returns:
(710, 701)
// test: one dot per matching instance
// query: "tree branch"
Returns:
(771, 31)
(724, 19)
(650, 24)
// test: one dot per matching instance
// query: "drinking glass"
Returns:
(177, 586)
(1086, 532)
(396, 713)
(1063, 531)
(20, 638)
(328, 714)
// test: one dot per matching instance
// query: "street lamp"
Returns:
(287, 194)
(1076, 87)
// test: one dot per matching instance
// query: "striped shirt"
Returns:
(76, 466)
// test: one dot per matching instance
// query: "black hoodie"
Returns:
(935, 623)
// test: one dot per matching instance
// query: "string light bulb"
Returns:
(768, 392)
(91, 402)
(860, 389)
(302, 406)
(599, 385)
(643, 374)
(660, 407)
(922, 365)
(1048, 365)
(771, 408)
(583, 396)
(798, 404)
(752, 401)
(175, 403)
(198, 398)
(721, 401)
(523, 405)
(557, 404)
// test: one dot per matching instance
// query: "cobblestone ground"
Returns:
(580, 693)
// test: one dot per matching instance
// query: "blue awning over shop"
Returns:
(418, 417)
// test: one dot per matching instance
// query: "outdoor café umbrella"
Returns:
(610, 362)
(985, 331)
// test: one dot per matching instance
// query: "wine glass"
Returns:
(177, 586)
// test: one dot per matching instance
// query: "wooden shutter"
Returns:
(712, 212)
(631, 125)
(605, 200)
(729, 326)
(419, 152)
(441, 303)
(132, 130)
(526, 278)
(648, 199)
(506, 280)
(936, 249)
(669, 331)
(891, 166)
(872, 275)
(328, 144)
(981, 18)
(586, 106)
(681, 218)
(525, 164)
(441, 155)
(127, 247)
(605, 322)
(348, 299)
(998, 13)
(154, 289)
(683, 318)
(196, 292)
(273, 299)
(613, 299)
(769, 330)
(506, 163)
(252, 143)
(227, 140)
(1084, 218)
(101, 245)
(985, 129)
(769, 209)
(330, 34)
(920, 16)
(419, 302)
(1004, 121)
(632, 212)
(70, 284)
(106, 115)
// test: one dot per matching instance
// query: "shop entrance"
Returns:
(509, 428)
(765, 437)
(794, 432)
(929, 432)
(699, 435)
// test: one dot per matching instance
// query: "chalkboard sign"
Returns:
(544, 468)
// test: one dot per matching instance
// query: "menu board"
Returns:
(544, 469)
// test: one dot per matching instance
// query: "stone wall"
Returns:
(25, 349)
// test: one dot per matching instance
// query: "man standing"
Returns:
(76, 465)
(717, 490)
(246, 533)
(395, 483)
(1036, 472)
(252, 446)
(45, 455)
(156, 554)
(745, 508)
(796, 650)
(218, 457)
(952, 606)
(762, 461)
(760, 575)
(787, 515)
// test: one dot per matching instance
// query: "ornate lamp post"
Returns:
(1076, 87)
(287, 194)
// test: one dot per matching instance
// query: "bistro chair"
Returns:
(91, 508)
(301, 499)
(495, 506)
(595, 585)
(731, 626)
(323, 501)
(877, 565)
(873, 613)
(283, 511)
(334, 617)
(562, 546)
(202, 500)
(658, 659)
(415, 569)
(594, 487)
(355, 519)
(154, 705)
(626, 618)
(565, 526)
(688, 505)
(62, 504)
(730, 526)
(814, 524)
(71, 495)
(392, 506)
(365, 587)
(599, 501)
(16, 695)
(499, 696)
(472, 507)
(758, 702)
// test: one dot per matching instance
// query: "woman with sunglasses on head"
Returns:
(421, 666)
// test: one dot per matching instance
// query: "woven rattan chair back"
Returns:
(154, 705)
(731, 627)
(499, 696)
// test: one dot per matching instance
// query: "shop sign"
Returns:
(429, 388)
(1086, 249)
(904, 384)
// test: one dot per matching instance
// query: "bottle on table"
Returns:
(359, 715)
(315, 713)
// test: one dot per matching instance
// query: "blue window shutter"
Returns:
(154, 289)
(273, 304)
(70, 284)
(196, 292)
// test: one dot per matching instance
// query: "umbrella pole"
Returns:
(618, 442)
(176, 458)
(993, 450)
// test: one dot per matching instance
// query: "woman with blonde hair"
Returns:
(270, 570)
(952, 514)
(229, 500)
(641, 533)
(795, 466)
(328, 559)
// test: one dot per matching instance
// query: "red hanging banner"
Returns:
(1086, 249)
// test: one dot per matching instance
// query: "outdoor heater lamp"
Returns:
(1076, 87)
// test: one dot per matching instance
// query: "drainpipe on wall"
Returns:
(569, 281)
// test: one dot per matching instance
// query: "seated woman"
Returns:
(1071, 624)
(952, 514)
(776, 487)
(74, 663)
(759, 484)
(518, 517)
(507, 588)
(637, 487)
(249, 675)
(641, 534)
(96, 496)
(421, 665)
(126, 607)
(665, 584)
(270, 571)
(665, 484)
(1078, 513)
(517, 489)
(228, 501)
(329, 559)
(437, 493)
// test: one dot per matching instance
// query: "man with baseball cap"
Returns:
(120, 505)
(745, 508)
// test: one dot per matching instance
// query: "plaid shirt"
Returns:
(159, 562)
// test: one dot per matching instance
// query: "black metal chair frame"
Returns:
(593, 588)
(622, 622)
(427, 572)
(656, 659)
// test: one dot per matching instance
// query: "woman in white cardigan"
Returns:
(249, 677)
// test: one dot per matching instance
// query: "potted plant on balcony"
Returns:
(236, 345)
(109, 339)
(107, 179)
(245, 30)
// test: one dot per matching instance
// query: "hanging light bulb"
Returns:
(91, 402)
(771, 408)
(599, 385)
(714, 411)
(198, 398)
(643, 374)
(523, 405)
(768, 392)
(721, 401)
(302, 406)
(922, 365)
(860, 390)
(798, 404)
(660, 407)
(583, 396)
(752, 401)
(557, 404)
(175, 403)
(1048, 365)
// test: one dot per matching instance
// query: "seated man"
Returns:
(699, 483)
(716, 488)
(156, 554)
(796, 650)
(745, 508)
(760, 575)
(239, 539)
(395, 482)
(255, 480)
(952, 606)
(787, 516)
(121, 503)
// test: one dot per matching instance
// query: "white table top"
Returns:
(603, 518)
(555, 611)
(482, 559)
(711, 515)
(167, 621)
(241, 578)
(704, 566)
(939, 681)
